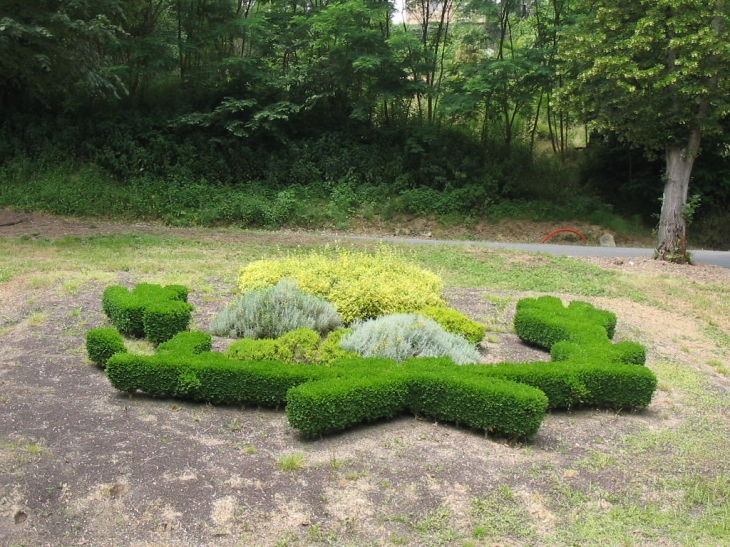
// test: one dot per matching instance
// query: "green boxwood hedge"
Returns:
(322, 400)
(338, 403)
(570, 384)
(493, 405)
(149, 310)
(545, 321)
(102, 343)
(508, 399)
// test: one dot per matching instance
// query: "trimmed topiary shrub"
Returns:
(322, 400)
(402, 336)
(194, 342)
(545, 321)
(506, 399)
(317, 408)
(124, 311)
(163, 320)
(493, 405)
(206, 376)
(455, 322)
(148, 308)
(271, 312)
(361, 286)
(102, 343)
(623, 352)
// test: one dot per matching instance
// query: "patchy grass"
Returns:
(291, 462)
(511, 270)
(589, 478)
(37, 318)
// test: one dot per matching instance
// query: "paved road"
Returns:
(718, 258)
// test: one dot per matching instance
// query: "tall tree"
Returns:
(657, 73)
(428, 22)
(51, 48)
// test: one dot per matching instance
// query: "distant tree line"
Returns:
(464, 93)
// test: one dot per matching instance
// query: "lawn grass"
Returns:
(170, 257)
(666, 482)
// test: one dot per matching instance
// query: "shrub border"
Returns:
(508, 399)
(148, 311)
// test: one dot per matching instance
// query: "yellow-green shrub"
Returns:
(455, 322)
(360, 285)
(299, 346)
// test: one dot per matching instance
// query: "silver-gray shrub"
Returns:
(273, 311)
(402, 336)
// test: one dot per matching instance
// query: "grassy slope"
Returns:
(665, 483)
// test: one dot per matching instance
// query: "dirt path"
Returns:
(17, 224)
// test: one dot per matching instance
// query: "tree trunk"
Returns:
(672, 241)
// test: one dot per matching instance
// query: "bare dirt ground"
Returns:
(81, 464)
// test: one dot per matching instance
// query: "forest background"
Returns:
(312, 113)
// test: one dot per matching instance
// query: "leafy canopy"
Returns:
(644, 68)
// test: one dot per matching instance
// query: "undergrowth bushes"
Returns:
(359, 285)
(271, 312)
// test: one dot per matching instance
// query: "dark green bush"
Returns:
(188, 342)
(545, 321)
(616, 386)
(167, 308)
(124, 311)
(622, 352)
(508, 399)
(352, 391)
(556, 381)
(630, 353)
(317, 408)
(571, 383)
(102, 343)
(493, 405)
(163, 320)
(209, 377)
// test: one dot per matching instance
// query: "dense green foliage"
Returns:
(656, 74)
(503, 408)
(299, 346)
(330, 399)
(506, 399)
(148, 311)
(102, 343)
(454, 321)
(544, 321)
(306, 113)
